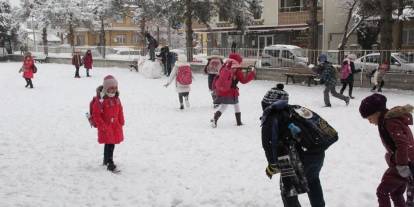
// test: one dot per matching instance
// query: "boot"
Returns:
(238, 118)
(105, 161)
(111, 166)
(181, 106)
(215, 119)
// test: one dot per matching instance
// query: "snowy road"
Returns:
(49, 155)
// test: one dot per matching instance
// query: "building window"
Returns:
(80, 39)
(408, 36)
(291, 5)
(120, 39)
(119, 19)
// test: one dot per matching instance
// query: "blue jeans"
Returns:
(312, 163)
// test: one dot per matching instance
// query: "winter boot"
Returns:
(111, 166)
(87, 73)
(238, 118)
(105, 161)
(181, 106)
(215, 119)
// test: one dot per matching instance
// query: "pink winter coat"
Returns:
(238, 76)
(109, 118)
(28, 67)
(88, 61)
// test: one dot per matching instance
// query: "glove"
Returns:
(404, 171)
(294, 130)
(271, 169)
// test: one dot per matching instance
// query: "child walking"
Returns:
(108, 116)
(183, 77)
(28, 69)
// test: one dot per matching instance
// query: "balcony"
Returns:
(297, 17)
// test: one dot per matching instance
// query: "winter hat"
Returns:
(322, 58)
(371, 104)
(109, 81)
(275, 94)
(236, 60)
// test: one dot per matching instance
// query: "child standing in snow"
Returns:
(214, 64)
(397, 138)
(183, 78)
(230, 95)
(28, 69)
(108, 116)
(378, 77)
(88, 61)
(77, 62)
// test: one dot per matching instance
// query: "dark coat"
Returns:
(77, 60)
(350, 78)
(396, 135)
(328, 74)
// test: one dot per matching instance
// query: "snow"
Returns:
(50, 157)
(150, 69)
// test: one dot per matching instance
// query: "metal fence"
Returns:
(270, 57)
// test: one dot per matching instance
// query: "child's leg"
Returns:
(380, 86)
(180, 99)
(343, 88)
(106, 154)
(237, 113)
(87, 72)
(30, 83)
(27, 82)
(186, 97)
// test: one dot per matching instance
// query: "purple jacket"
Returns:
(396, 135)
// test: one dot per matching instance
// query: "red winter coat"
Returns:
(88, 61)
(109, 118)
(238, 76)
(28, 67)
(394, 125)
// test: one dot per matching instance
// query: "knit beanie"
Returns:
(275, 94)
(372, 104)
(109, 81)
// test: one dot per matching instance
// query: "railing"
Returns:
(367, 60)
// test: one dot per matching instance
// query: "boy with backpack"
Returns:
(397, 138)
(106, 114)
(28, 69)
(347, 74)
(328, 77)
(225, 87)
(294, 139)
(183, 78)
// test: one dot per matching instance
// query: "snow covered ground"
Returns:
(49, 155)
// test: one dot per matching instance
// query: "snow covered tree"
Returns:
(102, 10)
(7, 25)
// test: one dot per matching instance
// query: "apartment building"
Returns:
(281, 22)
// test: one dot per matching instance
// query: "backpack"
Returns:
(345, 71)
(89, 115)
(155, 43)
(184, 75)
(222, 83)
(316, 134)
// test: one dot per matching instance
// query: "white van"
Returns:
(283, 56)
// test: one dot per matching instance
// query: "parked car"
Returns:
(283, 56)
(182, 56)
(124, 54)
(399, 62)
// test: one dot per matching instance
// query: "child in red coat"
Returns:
(28, 70)
(107, 113)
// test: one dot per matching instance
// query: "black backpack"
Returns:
(316, 134)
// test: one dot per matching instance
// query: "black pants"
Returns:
(312, 164)
(351, 86)
(183, 95)
(29, 82)
(210, 80)
(381, 84)
(77, 71)
(87, 72)
(109, 153)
